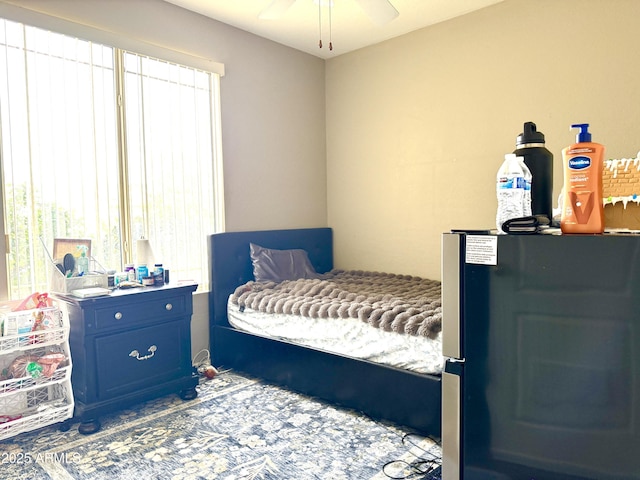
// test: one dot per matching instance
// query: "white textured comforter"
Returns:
(346, 336)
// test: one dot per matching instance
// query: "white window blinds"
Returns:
(107, 145)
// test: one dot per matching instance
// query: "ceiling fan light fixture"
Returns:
(380, 12)
(275, 10)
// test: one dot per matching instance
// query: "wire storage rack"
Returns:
(35, 370)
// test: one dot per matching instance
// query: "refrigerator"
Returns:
(541, 337)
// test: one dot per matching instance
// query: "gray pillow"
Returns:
(280, 265)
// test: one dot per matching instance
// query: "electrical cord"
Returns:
(424, 464)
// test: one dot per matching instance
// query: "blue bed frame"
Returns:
(384, 393)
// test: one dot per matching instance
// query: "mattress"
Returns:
(345, 336)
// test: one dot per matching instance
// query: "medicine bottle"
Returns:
(130, 270)
(143, 272)
(158, 274)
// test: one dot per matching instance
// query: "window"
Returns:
(104, 144)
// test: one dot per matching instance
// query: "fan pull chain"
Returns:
(330, 42)
(320, 24)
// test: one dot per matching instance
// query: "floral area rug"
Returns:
(236, 429)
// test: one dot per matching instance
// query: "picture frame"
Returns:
(62, 246)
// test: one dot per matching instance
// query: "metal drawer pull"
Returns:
(168, 306)
(118, 315)
(152, 349)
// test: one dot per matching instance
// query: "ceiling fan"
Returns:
(379, 11)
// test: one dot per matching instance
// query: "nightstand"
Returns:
(129, 347)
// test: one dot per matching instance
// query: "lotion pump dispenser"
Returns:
(582, 208)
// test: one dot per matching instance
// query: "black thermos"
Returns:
(530, 146)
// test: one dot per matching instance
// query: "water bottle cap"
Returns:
(530, 134)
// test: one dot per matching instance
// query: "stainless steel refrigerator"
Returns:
(542, 339)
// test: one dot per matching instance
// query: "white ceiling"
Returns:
(351, 28)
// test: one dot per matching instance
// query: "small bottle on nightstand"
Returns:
(158, 275)
(130, 270)
(143, 272)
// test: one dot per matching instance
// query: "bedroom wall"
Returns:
(417, 126)
(273, 114)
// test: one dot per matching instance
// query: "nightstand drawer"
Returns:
(135, 360)
(127, 314)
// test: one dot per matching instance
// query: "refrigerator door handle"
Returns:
(451, 427)
(451, 296)
(456, 360)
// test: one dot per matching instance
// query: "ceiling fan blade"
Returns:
(275, 10)
(380, 11)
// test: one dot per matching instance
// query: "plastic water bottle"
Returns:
(510, 190)
(526, 199)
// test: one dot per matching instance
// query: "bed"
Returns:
(388, 393)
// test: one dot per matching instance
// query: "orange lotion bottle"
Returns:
(582, 209)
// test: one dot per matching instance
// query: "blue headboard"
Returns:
(230, 261)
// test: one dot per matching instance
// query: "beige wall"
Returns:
(417, 126)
